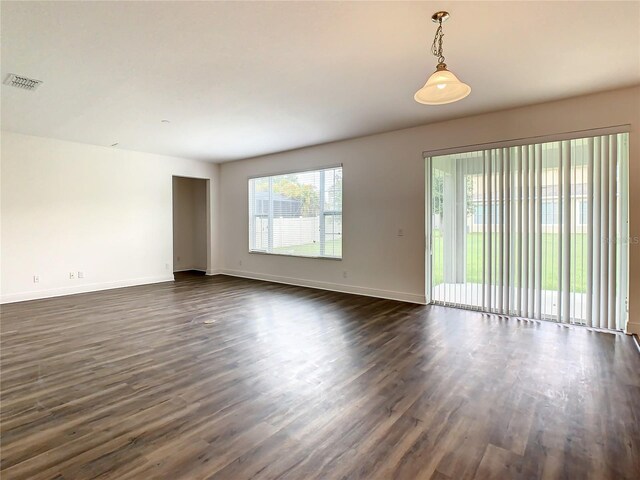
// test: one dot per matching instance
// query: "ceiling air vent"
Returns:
(22, 82)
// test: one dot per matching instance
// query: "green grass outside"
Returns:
(549, 260)
(332, 248)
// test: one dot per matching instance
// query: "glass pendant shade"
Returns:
(442, 87)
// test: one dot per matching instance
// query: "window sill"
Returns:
(339, 259)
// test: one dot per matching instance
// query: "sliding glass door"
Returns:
(536, 231)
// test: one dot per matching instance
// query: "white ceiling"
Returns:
(243, 79)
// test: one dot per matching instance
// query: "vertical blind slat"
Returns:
(538, 209)
(526, 259)
(590, 251)
(500, 230)
(519, 230)
(487, 232)
(597, 238)
(604, 231)
(566, 231)
(508, 216)
(560, 186)
(612, 240)
(531, 233)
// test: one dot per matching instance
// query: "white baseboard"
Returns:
(90, 287)
(334, 287)
(633, 328)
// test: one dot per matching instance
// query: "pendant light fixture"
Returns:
(442, 86)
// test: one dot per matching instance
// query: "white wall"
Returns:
(384, 191)
(103, 211)
(189, 224)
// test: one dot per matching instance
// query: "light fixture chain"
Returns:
(436, 47)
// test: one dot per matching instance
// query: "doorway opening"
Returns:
(190, 225)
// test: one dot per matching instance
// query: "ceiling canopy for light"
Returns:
(443, 86)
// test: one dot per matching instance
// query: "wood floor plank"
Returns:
(296, 383)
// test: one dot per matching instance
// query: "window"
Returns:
(584, 213)
(534, 231)
(550, 213)
(297, 214)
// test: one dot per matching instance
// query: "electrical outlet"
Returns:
(36, 279)
(166, 266)
(400, 232)
(344, 274)
(240, 262)
(72, 275)
(80, 274)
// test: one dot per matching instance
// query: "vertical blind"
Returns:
(297, 214)
(537, 231)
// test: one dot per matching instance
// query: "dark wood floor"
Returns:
(306, 384)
